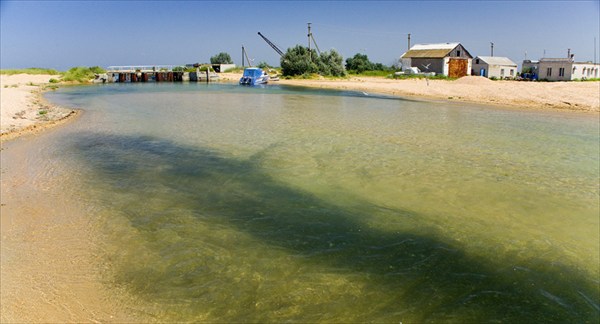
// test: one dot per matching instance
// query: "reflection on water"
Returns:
(223, 203)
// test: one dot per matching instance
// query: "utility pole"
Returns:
(242, 55)
(408, 42)
(568, 53)
(309, 35)
(492, 48)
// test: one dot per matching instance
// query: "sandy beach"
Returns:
(23, 108)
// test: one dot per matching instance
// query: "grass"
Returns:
(416, 76)
(378, 73)
(76, 74)
(30, 71)
(81, 73)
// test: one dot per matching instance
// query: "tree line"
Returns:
(302, 61)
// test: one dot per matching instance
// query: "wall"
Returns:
(592, 71)
(495, 70)
(435, 64)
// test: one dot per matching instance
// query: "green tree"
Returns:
(296, 61)
(359, 63)
(221, 58)
(300, 60)
(331, 63)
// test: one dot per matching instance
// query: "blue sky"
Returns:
(63, 34)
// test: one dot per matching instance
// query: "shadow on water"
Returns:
(424, 277)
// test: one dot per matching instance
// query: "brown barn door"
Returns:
(457, 67)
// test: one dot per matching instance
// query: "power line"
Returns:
(357, 30)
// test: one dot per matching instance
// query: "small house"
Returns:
(449, 59)
(494, 67)
(566, 69)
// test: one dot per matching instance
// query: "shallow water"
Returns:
(224, 203)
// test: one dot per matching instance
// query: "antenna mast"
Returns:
(310, 36)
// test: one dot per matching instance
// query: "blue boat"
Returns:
(254, 76)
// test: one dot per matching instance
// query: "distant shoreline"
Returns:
(551, 96)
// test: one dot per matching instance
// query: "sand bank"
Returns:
(23, 108)
(568, 96)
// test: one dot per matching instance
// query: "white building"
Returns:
(449, 59)
(494, 67)
(565, 69)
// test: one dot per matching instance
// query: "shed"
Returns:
(494, 67)
(450, 59)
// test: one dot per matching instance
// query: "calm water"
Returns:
(223, 203)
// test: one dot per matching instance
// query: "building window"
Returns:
(561, 72)
(501, 72)
(549, 72)
(458, 53)
(512, 72)
(477, 61)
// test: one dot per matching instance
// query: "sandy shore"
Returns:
(568, 96)
(23, 108)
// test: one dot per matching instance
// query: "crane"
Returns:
(271, 44)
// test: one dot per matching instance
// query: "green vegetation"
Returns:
(420, 76)
(360, 63)
(53, 80)
(30, 71)
(263, 65)
(82, 73)
(184, 69)
(300, 60)
(221, 58)
(375, 73)
(587, 79)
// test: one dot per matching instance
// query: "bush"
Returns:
(359, 63)
(263, 65)
(221, 58)
(53, 80)
(300, 60)
(82, 73)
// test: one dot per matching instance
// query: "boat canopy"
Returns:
(253, 72)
